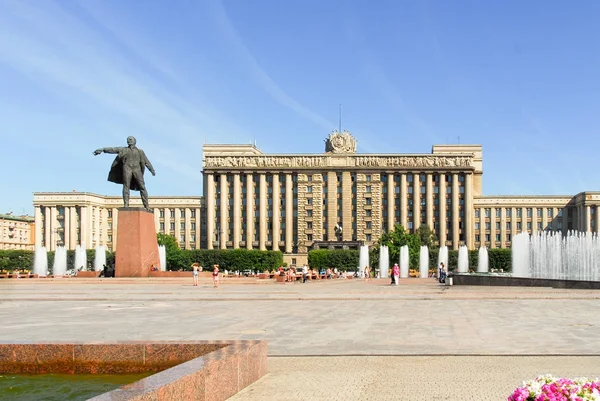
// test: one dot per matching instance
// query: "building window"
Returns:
(368, 237)
(519, 226)
(182, 226)
(309, 178)
(368, 225)
(309, 201)
(368, 212)
(172, 213)
(550, 212)
(497, 225)
(487, 238)
(529, 225)
(487, 212)
(560, 212)
(508, 237)
(193, 214)
(172, 227)
(497, 212)
(539, 213)
(309, 189)
(539, 226)
(476, 213)
(508, 225)
(309, 213)
(309, 237)
(529, 212)
(509, 212)
(309, 225)
(367, 201)
(477, 238)
(487, 225)
(162, 213)
(477, 225)
(182, 238)
(162, 227)
(519, 213)
(109, 214)
(368, 189)
(497, 237)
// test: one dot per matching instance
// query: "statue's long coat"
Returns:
(116, 169)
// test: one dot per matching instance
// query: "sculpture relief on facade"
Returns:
(342, 142)
(310, 161)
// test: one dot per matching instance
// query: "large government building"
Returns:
(294, 202)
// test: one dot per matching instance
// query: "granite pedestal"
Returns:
(137, 248)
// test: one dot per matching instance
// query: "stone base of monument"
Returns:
(137, 249)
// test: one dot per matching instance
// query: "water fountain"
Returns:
(384, 261)
(463, 259)
(40, 262)
(100, 258)
(363, 260)
(404, 261)
(424, 262)
(162, 257)
(80, 258)
(59, 268)
(483, 262)
(549, 255)
(443, 256)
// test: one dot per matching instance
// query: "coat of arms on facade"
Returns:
(338, 142)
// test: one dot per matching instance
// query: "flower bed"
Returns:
(550, 388)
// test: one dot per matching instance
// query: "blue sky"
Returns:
(518, 77)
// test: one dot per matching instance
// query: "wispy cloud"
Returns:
(58, 51)
(229, 31)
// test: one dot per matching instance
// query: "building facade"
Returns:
(290, 202)
(72, 218)
(16, 232)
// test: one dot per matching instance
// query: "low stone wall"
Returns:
(196, 370)
(507, 281)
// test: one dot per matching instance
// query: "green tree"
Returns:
(427, 236)
(176, 259)
(395, 239)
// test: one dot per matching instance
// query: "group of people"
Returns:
(308, 273)
(196, 269)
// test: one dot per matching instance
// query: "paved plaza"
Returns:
(333, 339)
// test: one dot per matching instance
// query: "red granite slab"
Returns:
(194, 370)
(109, 358)
(36, 358)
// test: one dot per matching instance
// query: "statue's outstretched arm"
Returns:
(107, 150)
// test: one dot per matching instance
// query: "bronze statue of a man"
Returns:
(128, 169)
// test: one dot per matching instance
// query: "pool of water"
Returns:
(57, 387)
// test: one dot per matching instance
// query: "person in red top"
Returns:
(215, 276)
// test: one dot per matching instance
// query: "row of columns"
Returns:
(220, 239)
(582, 220)
(47, 226)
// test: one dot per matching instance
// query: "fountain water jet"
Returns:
(463, 259)
(384, 261)
(40, 262)
(162, 257)
(424, 262)
(363, 260)
(100, 258)
(80, 258)
(59, 268)
(550, 255)
(443, 256)
(404, 261)
(483, 262)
